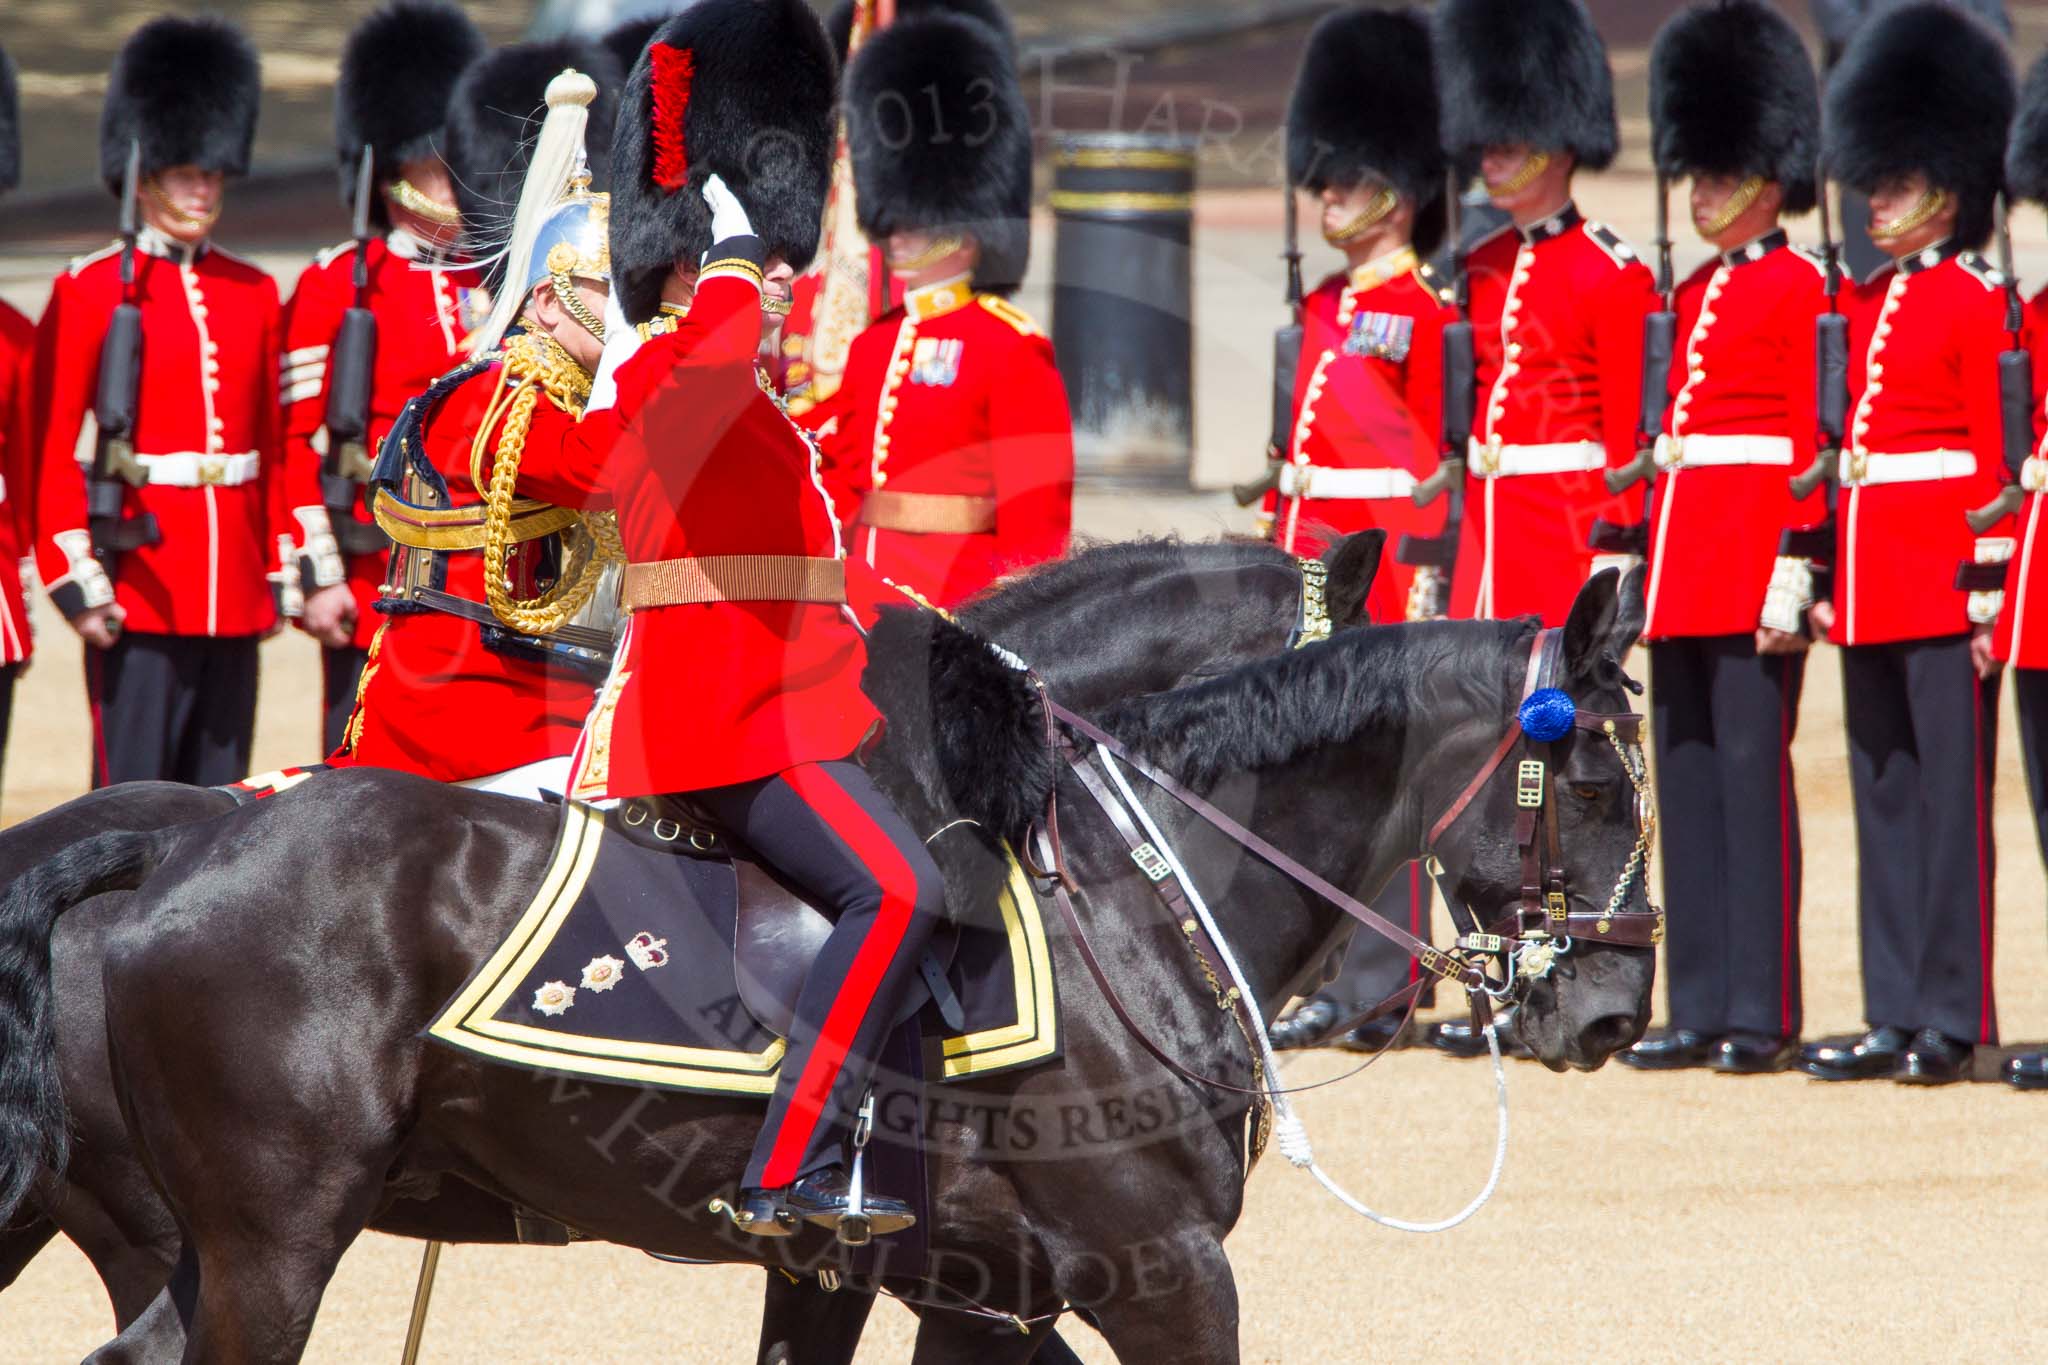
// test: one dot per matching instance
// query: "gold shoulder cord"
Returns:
(535, 364)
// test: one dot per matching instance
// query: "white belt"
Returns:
(1490, 460)
(1679, 452)
(2034, 475)
(1920, 466)
(1327, 481)
(191, 469)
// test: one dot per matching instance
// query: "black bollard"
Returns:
(1123, 304)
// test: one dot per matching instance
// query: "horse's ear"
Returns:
(1631, 612)
(1353, 562)
(1590, 627)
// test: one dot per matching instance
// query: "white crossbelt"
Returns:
(1681, 452)
(1329, 481)
(1491, 461)
(195, 469)
(1920, 466)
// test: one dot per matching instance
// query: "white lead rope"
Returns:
(1290, 1134)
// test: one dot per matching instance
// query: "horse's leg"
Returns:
(955, 1338)
(801, 1324)
(157, 1334)
(1172, 1300)
(19, 1245)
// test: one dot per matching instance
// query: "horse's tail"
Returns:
(33, 1123)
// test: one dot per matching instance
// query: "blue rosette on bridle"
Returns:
(1547, 714)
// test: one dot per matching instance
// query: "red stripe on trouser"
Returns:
(1987, 1011)
(878, 853)
(1787, 893)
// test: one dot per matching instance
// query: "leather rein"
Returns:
(1523, 945)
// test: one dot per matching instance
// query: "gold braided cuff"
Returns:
(738, 267)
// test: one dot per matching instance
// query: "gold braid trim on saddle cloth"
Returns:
(535, 364)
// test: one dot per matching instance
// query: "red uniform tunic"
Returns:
(790, 369)
(706, 464)
(422, 317)
(206, 427)
(954, 394)
(2022, 639)
(434, 700)
(1557, 322)
(17, 479)
(1368, 408)
(1741, 422)
(1923, 446)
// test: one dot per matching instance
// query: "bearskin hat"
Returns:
(2026, 154)
(10, 126)
(1364, 107)
(496, 112)
(1532, 72)
(630, 38)
(941, 138)
(1923, 88)
(839, 23)
(187, 91)
(398, 70)
(1732, 92)
(740, 89)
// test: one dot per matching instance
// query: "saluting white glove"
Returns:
(728, 215)
(621, 340)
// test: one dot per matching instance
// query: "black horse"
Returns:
(1108, 622)
(266, 989)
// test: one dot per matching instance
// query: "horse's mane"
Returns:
(1094, 565)
(1273, 710)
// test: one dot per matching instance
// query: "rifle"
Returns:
(1660, 340)
(114, 467)
(350, 375)
(1286, 366)
(1435, 557)
(2015, 392)
(1831, 363)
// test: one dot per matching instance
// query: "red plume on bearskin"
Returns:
(673, 69)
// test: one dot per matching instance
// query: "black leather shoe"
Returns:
(2028, 1071)
(1376, 1035)
(1458, 1038)
(822, 1199)
(1936, 1059)
(1877, 1053)
(1308, 1026)
(1671, 1049)
(1752, 1054)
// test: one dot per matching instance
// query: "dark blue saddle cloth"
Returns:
(622, 969)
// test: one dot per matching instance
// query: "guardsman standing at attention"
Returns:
(17, 461)
(391, 103)
(1557, 303)
(483, 673)
(1362, 138)
(1916, 117)
(1726, 621)
(2022, 639)
(183, 510)
(951, 429)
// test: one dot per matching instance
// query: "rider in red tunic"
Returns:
(1368, 394)
(465, 684)
(950, 436)
(738, 681)
(1557, 304)
(397, 71)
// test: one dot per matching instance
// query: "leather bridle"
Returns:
(1543, 922)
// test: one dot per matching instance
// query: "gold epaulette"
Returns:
(1011, 313)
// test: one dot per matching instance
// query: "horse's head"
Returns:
(1558, 840)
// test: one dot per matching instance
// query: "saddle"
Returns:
(777, 934)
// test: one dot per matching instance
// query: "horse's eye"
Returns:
(1588, 791)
